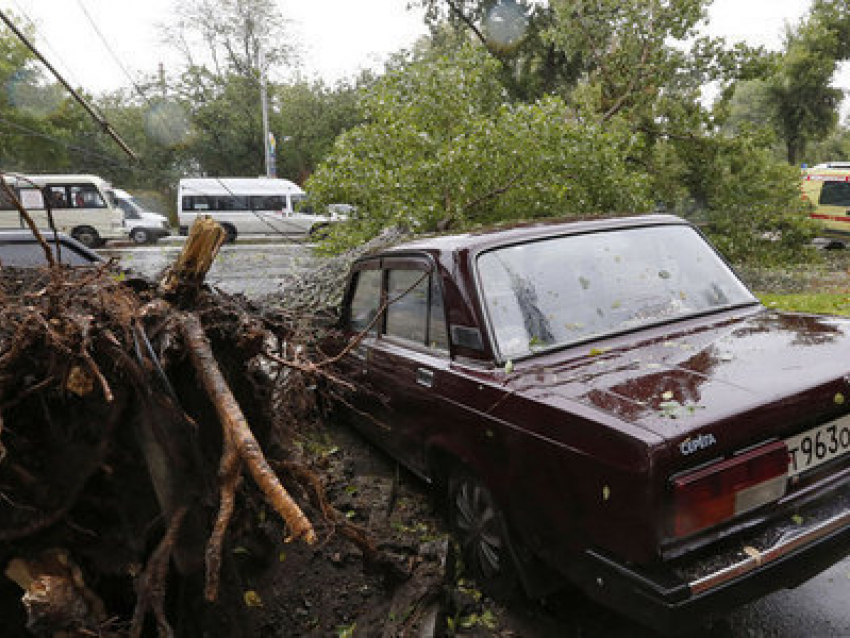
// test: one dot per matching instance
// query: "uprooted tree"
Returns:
(132, 414)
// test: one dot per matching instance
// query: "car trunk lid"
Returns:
(714, 386)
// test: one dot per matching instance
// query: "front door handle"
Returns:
(425, 377)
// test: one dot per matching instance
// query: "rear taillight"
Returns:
(716, 493)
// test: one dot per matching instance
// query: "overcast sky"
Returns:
(339, 37)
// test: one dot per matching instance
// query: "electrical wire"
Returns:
(112, 52)
(64, 144)
(112, 161)
(68, 71)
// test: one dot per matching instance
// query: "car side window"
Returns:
(31, 198)
(6, 201)
(57, 196)
(85, 197)
(366, 299)
(407, 314)
(835, 194)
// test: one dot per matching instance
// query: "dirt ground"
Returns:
(331, 590)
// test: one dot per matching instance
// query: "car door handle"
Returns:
(425, 377)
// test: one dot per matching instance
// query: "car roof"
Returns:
(11, 254)
(484, 239)
(238, 186)
(59, 178)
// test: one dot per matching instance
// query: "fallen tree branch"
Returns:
(233, 421)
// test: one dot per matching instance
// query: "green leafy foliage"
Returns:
(444, 148)
(307, 117)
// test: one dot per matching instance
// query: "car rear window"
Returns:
(835, 194)
(553, 292)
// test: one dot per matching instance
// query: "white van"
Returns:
(243, 205)
(81, 206)
(140, 225)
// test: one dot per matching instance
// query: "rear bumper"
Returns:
(678, 596)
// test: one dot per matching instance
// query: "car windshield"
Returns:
(553, 292)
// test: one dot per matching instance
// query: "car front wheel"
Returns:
(480, 528)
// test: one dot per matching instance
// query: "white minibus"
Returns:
(82, 206)
(244, 205)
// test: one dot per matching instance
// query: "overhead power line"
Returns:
(52, 138)
(112, 52)
(46, 41)
(107, 128)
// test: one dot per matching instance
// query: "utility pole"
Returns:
(268, 140)
(162, 79)
(106, 126)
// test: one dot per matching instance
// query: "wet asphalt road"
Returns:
(254, 269)
(819, 608)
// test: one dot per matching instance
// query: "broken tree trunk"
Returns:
(183, 280)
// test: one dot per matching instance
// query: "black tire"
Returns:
(140, 236)
(87, 236)
(480, 528)
(231, 233)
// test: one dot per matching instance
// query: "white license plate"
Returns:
(818, 445)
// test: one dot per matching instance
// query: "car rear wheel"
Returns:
(140, 236)
(87, 236)
(479, 527)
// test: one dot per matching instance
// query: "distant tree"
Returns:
(836, 146)
(227, 45)
(33, 111)
(307, 118)
(805, 104)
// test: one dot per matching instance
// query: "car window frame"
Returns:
(354, 281)
(418, 262)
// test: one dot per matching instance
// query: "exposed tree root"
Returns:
(229, 474)
(234, 422)
(99, 443)
(151, 583)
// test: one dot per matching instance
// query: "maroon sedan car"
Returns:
(606, 401)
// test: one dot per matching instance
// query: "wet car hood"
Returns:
(700, 376)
